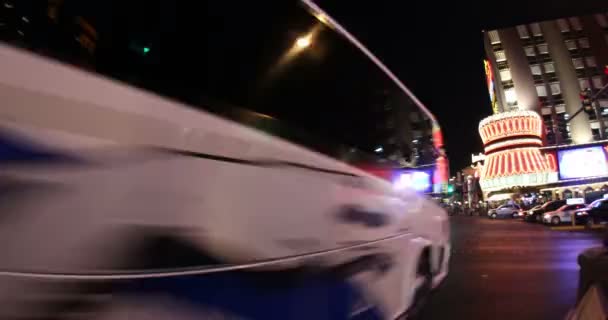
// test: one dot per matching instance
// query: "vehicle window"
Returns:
(604, 205)
(286, 73)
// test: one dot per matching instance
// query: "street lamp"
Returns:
(303, 42)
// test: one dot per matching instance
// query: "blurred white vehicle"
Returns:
(565, 214)
(119, 203)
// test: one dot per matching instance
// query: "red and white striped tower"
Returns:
(511, 142)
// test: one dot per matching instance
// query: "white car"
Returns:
(119, 203)
(564, 214)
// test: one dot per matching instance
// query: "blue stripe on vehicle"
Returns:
(17, 150)
(247, 296)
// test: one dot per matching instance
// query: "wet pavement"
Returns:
(509, 269)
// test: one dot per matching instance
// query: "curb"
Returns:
(576, 228)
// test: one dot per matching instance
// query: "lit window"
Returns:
(523, 32)
(578, 63)
(535, 27)
(560, 108)
(591, 61)
(571, 45)
(535, 69)
(542, 48)
(511, 96)
(493, 35)
(601, 20)
(549, 67)
(576, 23)
(563, 25)
(530, 51)
(505, 75)
(541, 90)
(500, 56)
(584, 84)
(555, 88)
(597, 82)
(584, 43)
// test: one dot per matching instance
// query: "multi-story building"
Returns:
(538, 135)
(544, 66)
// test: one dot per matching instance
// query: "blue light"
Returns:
(417, 180)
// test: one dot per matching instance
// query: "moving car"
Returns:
(536, 215)
(505, 211)
(132, 186)
(564, 214)
(597, 212)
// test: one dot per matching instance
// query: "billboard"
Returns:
(582, 162)
(419, 180)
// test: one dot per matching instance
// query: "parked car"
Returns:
(564, 214)
(505, 211)
(597, 212)
(536, 214)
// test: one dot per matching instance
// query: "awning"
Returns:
(500, 197)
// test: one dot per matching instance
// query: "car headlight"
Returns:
(583, 213)
(547, 216)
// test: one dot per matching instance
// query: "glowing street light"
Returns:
(303, 42)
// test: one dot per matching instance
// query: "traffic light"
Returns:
(586, 101)
(450, 189)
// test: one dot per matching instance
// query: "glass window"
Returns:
(541, 90)
(598, 82)
(571, 45)
(535, 69)
(584, 43)
(523, 32)
(292, 77)
(542, 48)
(555, 88)
(500, 56)
(578, 63)
(549, 67)
(584, 84)
(493, 35)
(601, 20)
(563, 25)
(535, 27)
(530, 51)
(511, 96)
(576, 23)
(505, 75)
(590, 61)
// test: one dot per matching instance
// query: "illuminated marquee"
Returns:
(511, 142)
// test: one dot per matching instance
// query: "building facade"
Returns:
(544, 66)
(538, 136)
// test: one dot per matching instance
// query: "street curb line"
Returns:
(575, 228)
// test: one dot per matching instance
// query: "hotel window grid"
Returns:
(523, 32)
(535, 27)
(576, 23)
(584, 84)
(541, 90)
(563, 25)
(571, 45)
(578, 63)
(530, 51)
(591, 61)
(583, 43)
(494, 38)
(500, 56)
(505, 75)
(543, 48)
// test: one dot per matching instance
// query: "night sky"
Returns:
(436, 49)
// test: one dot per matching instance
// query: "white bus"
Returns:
(150, 166)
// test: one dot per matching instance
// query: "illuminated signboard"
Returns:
(582, 162)
(419, 180)
(490, 83)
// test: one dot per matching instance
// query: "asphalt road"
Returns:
(509, 269)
